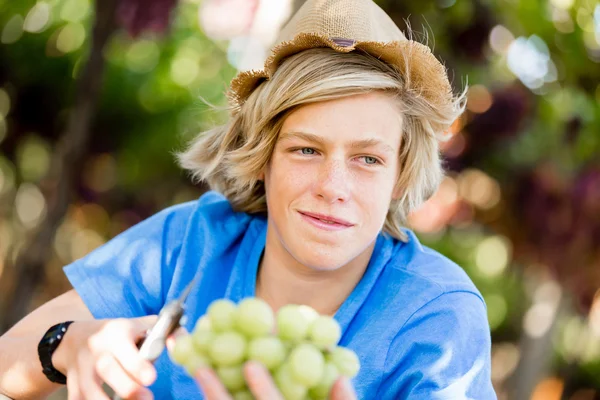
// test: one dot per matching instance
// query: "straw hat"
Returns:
(345, 26)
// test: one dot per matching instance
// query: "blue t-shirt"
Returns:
(415, 320)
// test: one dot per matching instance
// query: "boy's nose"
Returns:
(333, 182)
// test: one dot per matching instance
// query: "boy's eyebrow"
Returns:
(364, 143)
(357, 144)
(309, 137)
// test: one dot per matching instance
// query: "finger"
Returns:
(73, 392)
(260, 382)
(142, 324)
(128, 356)
(211, 386)
(113, 374)
(89, 382)
(118, 338)
(181, 331)
(342, 390)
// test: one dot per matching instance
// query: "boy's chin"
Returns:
(320, 265)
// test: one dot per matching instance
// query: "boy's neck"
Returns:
(282, 280)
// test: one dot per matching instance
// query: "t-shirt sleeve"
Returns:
(442, 352)
(129, 276)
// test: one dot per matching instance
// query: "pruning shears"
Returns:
(169, 319)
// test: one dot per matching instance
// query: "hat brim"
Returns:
(413, 60)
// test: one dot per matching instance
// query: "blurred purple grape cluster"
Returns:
(560, 222)
(137, 16)
(551, 213)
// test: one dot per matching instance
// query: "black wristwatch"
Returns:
(46, 348)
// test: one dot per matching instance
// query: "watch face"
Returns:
(55, 334)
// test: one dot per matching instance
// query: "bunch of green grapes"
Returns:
(298, 346)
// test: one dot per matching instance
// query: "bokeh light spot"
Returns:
(590, 41)
(184, 71)
(563, 4)
(4, 103)
(100, 173)
(574, 334)
(529, 59)
(37, 18)
(538, 319)
(479, 99)
(83, 242)
(597, 22)
(562, 21)
(500, 39)
(505, 358)
(497, 309)
(479, 189)
(548, 389)
(62, 239)
(30, 205)
(455, 146)
(585, 19)
(492, 255)
(13, 30)
(75, 10)
(142, 56)
(33, 157)
(70, 38)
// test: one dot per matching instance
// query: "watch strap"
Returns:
(46, 348)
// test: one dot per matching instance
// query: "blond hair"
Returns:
(231, 157)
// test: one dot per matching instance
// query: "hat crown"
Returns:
(358, 20)
(346, 26)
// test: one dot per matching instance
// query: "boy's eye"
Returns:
(370, 160)
(307, 151)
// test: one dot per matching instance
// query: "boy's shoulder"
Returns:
(428, 268)
(211, 212)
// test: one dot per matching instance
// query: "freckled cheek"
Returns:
(288, 180)
(297, 176)
(368, 185)
(374, 197)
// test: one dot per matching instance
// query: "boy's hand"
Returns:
(261, 385)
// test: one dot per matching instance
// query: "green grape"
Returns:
(288, 386)
(222, 314)
(243, 395)
(255, 317)
(309, 313)
(292, 324)
(345, 360)
(203, 324)
(202, 339)
(330, 375)
(183, 349)
(325, 331)
(306, 364)
(196, 361)
(268, 350)
(228, 348)
(232, 377)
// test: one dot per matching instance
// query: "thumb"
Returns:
(343, 390)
